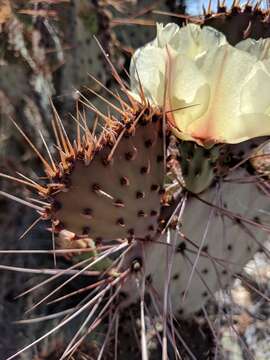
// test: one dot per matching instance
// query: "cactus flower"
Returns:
(212, 92)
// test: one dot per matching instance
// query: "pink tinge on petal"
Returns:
(203, 136)
(184, 104)
(205, 133)
(205, 141)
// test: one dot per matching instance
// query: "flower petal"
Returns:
(211, 87)
(259, 48)
(226, 69)
(147, 69)
(188, 92)
(249, 126)
(255, 95)
(167, 35)
(190, 40)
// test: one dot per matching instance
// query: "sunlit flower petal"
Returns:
(259, 48)
(148, 69)
(211, 91)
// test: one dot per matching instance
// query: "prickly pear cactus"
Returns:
(217, 238)
(165, 201)
(239, 22)
(204, 164)
(260, 159)
(122, 182)
(121, 173)
(198, 165)
(133, 32)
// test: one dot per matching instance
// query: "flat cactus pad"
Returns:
(116, 196)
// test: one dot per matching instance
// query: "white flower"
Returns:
(211, 91)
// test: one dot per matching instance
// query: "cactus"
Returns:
(122, 179)
(198, 165)
(219, 226)
(120, 183)
(239, 22)
(177, 227)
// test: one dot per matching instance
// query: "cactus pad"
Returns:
(107, 186)
(197, 165)
(239, 22)
(228, 242)
(223, 226)
(119, 197)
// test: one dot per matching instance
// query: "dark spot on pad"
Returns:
(98, 240)
(154, 187)
(139, 195)
(257, 219)
(56, 205)
(205, 248)
(143, 122)
(143, 170)
(161, 191)
(153, 213)
(180, 312)
(118, 203)
(141, 213)
(128, 126)
(124, 181)
(131, 232)
(87, 211)
(95, 187)
(105, 161)
(148, 143)
(120, 222)
(155, 118)
(86, 230)
(123, 295)
(181, 247)
(241, 153)
(128, 155)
